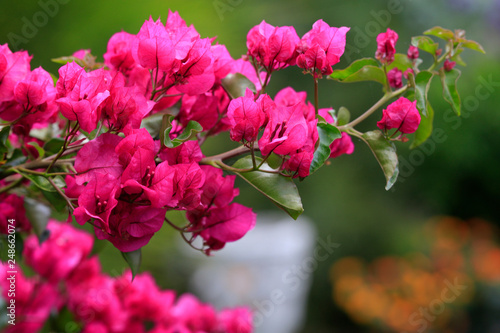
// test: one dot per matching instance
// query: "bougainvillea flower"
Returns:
(12, 208)
(190, 315)
(126, 106)
(341, 146)
(35, 299)
(228, 223)
(202, 108)
(98, 157)
(119, 52)
(186, 153)
(246, 118)
(272, 47)
(299, 163)
(401, 114)
(198, 59)
(412, 52)
(141, 297)
(13, 68)
(131, 227)
(95, 303)
(69, 75)
(36, 90)
(217, 190)
(395, 78)
(196, 73)
(222, 61)
(153, 48)
(448, 65)
(386, 46)
(407, 72)
(285, 132)
(155, 183)
(97, 200)
(83, 103)
(300, 160)
(60, 254)
(236, 320)
(180, 33)
(321, 48)
(289, 97)
(176, 54)
(139, 138)
(187, 183)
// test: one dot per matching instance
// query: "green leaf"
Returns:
(274, 161)
(68, 59)
(424, 130)
(343, 116)
(327, 134)
(16, 158)
(53, 146)
(473, 45)
(422, 83)
(55, 199)
(236, 84)
(425, 44)
(400, 62)
(133, 259)
(455, 56)
(39, 181)
(440, 33)
(365, 69)
(41, 152)
(450, 92)
(279, 189)
(89, 135)
(38, 214)
(189, 131)
(385, 153)
(4, 135)
(153, 124)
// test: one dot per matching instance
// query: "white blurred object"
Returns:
(268, 270)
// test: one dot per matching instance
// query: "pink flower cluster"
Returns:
(65, 276)
(26, 97)
(126, 180)
(279, 47)
(125, 185)
(126, 193)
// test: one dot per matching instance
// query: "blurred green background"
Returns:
(346, 200)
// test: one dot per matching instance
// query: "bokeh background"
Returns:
(394, 244)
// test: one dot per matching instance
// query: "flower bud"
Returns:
(412, 52)
(395, 78)
(448, 65)
(386, 46)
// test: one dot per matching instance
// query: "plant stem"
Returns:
(230, 168)
(316, 99)
(228, 154)
(67, 141)
(388, 96)
(44, 163)
(68, 201)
